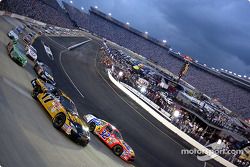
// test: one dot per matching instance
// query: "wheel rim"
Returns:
(117, 150)
(59, 120)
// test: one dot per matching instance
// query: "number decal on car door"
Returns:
(105, 134)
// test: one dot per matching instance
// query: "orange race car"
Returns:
(111, 136)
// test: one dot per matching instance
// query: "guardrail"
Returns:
(169, 125)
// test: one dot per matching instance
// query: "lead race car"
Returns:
(62, 110)
(111, 136)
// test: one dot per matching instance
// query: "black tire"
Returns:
(118, 150)
(92, 126)
(59, 120)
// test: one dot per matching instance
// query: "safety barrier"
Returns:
(169, 125)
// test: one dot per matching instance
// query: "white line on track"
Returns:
(60, 61)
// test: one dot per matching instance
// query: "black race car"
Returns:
(44, 72)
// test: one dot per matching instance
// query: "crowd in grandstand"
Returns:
(43, 10)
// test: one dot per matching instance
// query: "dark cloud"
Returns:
(216, 32)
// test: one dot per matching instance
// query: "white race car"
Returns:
(13, 35)
(31, 52)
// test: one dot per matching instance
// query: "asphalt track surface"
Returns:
(28, 137)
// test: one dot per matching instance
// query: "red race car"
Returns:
(111, 136)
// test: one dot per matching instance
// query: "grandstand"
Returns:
(230, 94)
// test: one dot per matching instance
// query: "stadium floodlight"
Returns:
(230, 72)
(213, 68)
(244, 76)
(164, 41)
(170, 49)
(234, 73)
(205, 65)
(222, 69)
(127, 23)
(96, 7)
(176, 113)
(146, 32)
(109, 14)
(71, 2)
(239, 76)
(248, 77)
(225, 70)
(219, 141)
(82, 8)
(120, 74)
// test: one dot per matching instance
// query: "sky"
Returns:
(214, 32)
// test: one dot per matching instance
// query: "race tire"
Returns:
(118, 150)
(92, 126)
(59, 120)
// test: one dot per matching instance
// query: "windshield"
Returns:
(117, 134)
(68, 105)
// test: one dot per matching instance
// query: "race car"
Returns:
(111, 136)
(44, 72)
(27, 39)
(19, 29)
(17, 53)
(13, 34)
(62, 110)
(31, 52)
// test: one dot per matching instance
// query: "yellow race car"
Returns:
(62, 110)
